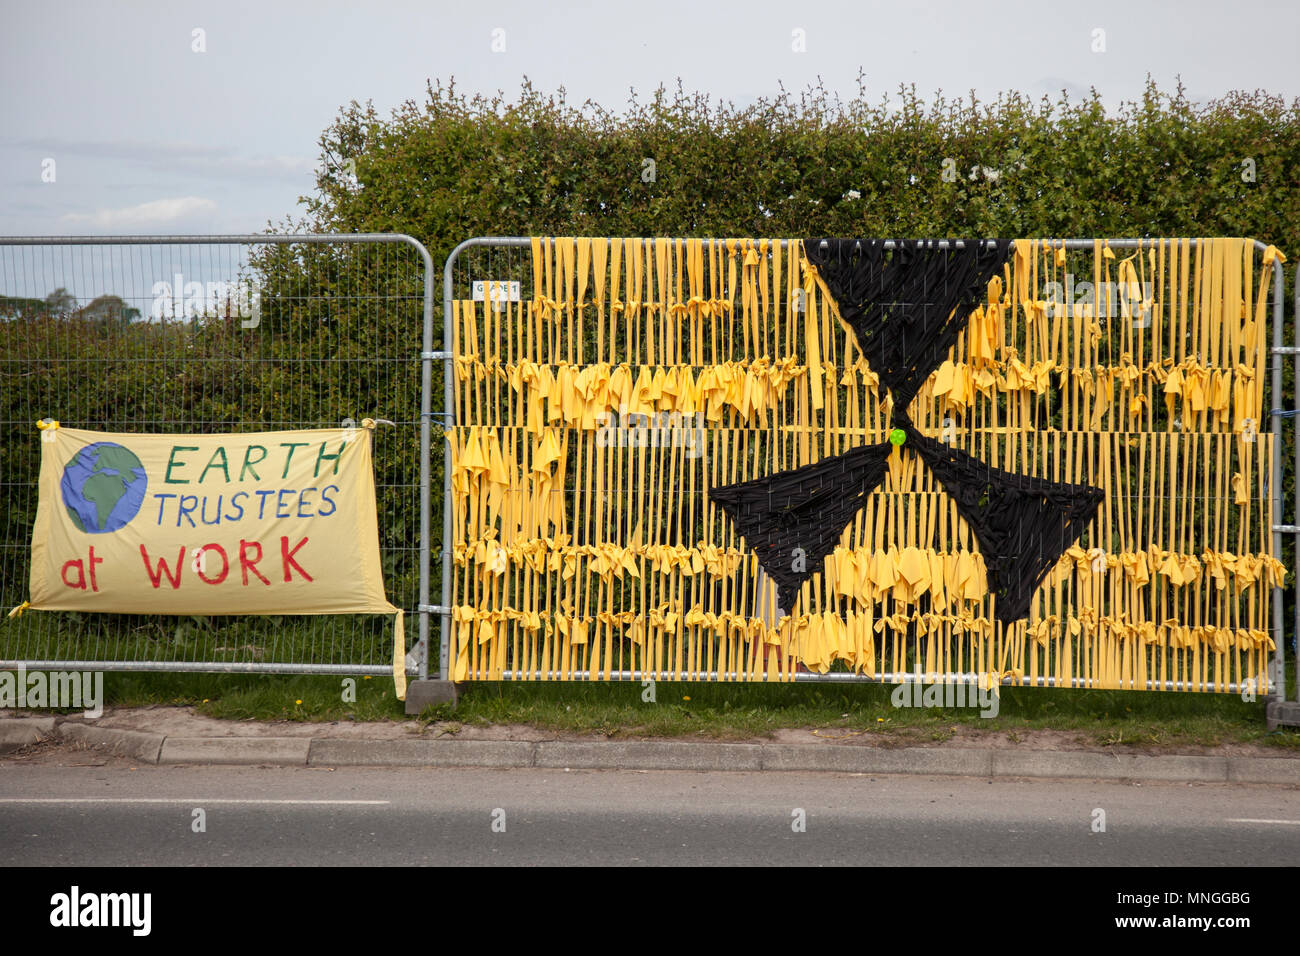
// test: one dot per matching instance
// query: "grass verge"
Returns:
(1155, 720)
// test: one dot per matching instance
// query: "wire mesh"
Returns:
(176, 335)
(1106, 328)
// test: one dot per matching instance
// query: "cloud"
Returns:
(155, 213)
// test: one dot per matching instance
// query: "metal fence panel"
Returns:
(209, 334)
(532, 594)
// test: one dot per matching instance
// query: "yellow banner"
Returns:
(258, 523)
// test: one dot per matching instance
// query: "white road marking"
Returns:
(197, 801)
(1291, 823)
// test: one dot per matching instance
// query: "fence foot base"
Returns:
(428, 693)
(1282, 712)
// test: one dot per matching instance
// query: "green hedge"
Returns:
(456, 166)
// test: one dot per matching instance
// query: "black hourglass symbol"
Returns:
(907, 302)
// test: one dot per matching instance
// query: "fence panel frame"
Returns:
(418, 654)
(1278, 679)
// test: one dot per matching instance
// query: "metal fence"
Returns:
(496, 287)
(243, 333)
(210, 334)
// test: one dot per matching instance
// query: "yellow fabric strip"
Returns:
(399, 654)
(1149, 385)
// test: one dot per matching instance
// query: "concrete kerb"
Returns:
(649, 755)
(277, 751)
(914, 760)
(139, 744)
(333, 752)
(1263, 770)
(1172, 767)
(725, 757)
(19, 732)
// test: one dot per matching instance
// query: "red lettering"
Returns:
(225, 564)
(246, 563)
(156, 575)
(80, 583)
(287, 556)
(94, 586)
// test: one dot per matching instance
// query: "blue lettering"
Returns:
(242, 494)
(279, 503)
(184, 511)
(162, 503)
(203, 513)
(328, 500)
(302, 500)
(261, 505)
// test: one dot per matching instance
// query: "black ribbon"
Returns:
(907, 306)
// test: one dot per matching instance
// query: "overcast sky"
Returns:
(145, 126)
